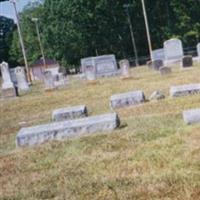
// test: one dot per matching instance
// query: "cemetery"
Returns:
(81, 119)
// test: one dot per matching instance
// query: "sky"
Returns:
(6, 8)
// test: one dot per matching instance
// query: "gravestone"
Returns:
(187, 61)
(184, 90)
(158, 54)
(173, 50)
(22, 83)
(101, 66)
(125, 68)
(60, 80)
(127, 99)
(13, 76)
(191, 116)
(157, 64)
(198, 50)
(49, 81)
(90, 72)
(165, 70)
(67, 129)
(69, 113)
(8, 89)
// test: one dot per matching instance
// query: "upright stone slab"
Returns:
(60, 81)
(173, 50)
(127, 99)
(8, 89)
(125, 68)
(49, 81)
(157, 64)
(158, 54)
(184, 90)
(191, 116)
(69, 113)
(187, 61)
(66, 129)
(90, 73)
(198, 50)
(165, 71)
(22, 83)
(104, 66)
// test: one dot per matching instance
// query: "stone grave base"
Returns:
(8, 93)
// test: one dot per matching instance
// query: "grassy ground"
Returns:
(155, 156)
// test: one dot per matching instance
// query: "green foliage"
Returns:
(72, 29)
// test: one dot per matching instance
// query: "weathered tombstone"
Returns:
(69, 113)
(90, 72)
(13, 76)
(125, 68)
(158, 54)
(156, 95)
(157, 64)
(67, 129)
(173, 50)
(165, 70)
(104, 66)
(60, 80)
(187, 61)
(191, 116)
(127, 99)
(22, 83)
(8, 89)
(198, 51)
(49, 81)
(184, 90)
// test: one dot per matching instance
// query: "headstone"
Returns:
(8, 89)
(187, 61)
(49, 81)
(60, 80)
(165, 70)
(69, 113)
(157, 64)
(156, 95)
(102, 66)
(184, 90)
(127, 99)
(13, 76)
(125, 68)
(66, 129)
(158, 54)
(198, 50)
(22, 83)
(90, 72)
(173, 50)
(191, 116)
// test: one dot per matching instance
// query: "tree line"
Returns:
(73, 29)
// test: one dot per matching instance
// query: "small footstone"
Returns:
(191, 116)
(187, 61)
(184, 90)
(69, 113)
(67, 129)
(127, 99)
(157, 95)
(165, 70)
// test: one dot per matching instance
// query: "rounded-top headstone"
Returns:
(125, 67)
(22, 83)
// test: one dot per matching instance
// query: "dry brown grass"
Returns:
(155, 155)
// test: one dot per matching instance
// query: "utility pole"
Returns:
(126, 6)
(147, 28)
(22, 42)
(39, 40)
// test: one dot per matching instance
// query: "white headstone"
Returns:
(125, 68)
(158, 54)
(22, 83)
(8, 89)
(173, 50)
(49, 81)
(198, 49)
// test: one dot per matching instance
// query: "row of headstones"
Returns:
(9, 89)
(16, 82)
(74, 121)
(172, 51)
